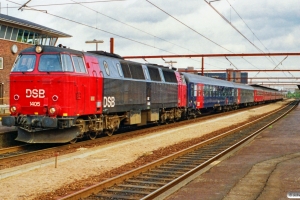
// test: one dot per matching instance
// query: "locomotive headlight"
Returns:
(38, 49)
(13, 109)
(52, 110)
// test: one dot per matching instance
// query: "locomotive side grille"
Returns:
(128, 94)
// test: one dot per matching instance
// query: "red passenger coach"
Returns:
(182, 90)
(264, 94)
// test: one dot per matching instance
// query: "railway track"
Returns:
(27, 153)
(153, 180)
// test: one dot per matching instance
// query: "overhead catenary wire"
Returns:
(189, 27)
(196, 31)
(126, 24)
(74, 2)
(89, 26)
(252, 32)
(222, 16)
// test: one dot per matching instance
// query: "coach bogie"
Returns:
(170, 115)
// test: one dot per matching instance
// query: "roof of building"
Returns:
(9, 20)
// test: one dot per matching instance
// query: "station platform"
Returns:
(268, 167)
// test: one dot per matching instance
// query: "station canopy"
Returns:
(15, 29)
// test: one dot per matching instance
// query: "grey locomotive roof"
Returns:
(9, 20)
(213, 81)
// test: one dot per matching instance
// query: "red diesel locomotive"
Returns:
(72, 94)
(58, 95)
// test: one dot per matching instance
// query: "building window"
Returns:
(8, 33)
(2, 31)
(25, 36)
(1, 63)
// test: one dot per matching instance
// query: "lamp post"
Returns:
(171, 62)
(95, 41)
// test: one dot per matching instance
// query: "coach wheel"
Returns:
(92, 135)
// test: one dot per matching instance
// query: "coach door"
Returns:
(192, 96)
(200, 97)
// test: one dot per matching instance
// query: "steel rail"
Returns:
(198, 168)
(48, 150)
(119, 179)
(13, 149)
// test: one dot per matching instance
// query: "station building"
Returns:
(15, 35)
(229, 75)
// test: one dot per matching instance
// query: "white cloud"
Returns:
(275, 22)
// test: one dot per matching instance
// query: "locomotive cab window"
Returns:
(66, 63)
(79, 64)
(50, 63)
(24, 63)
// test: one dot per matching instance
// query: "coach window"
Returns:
(66, 63)
(106, 67)
(79, 64)
(195, 90)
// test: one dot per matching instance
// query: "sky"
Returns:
(170, 27)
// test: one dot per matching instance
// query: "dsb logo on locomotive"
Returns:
(109, 102)
(35, 93)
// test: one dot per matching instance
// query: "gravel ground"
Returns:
(110, 160)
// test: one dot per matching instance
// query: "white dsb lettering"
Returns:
(109, 102)
(35, 93)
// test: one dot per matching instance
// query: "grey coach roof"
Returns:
(27, 24)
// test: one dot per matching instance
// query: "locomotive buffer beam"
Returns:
(48, 136)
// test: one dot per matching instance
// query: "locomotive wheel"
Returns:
(92, 135)
(109, 132)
